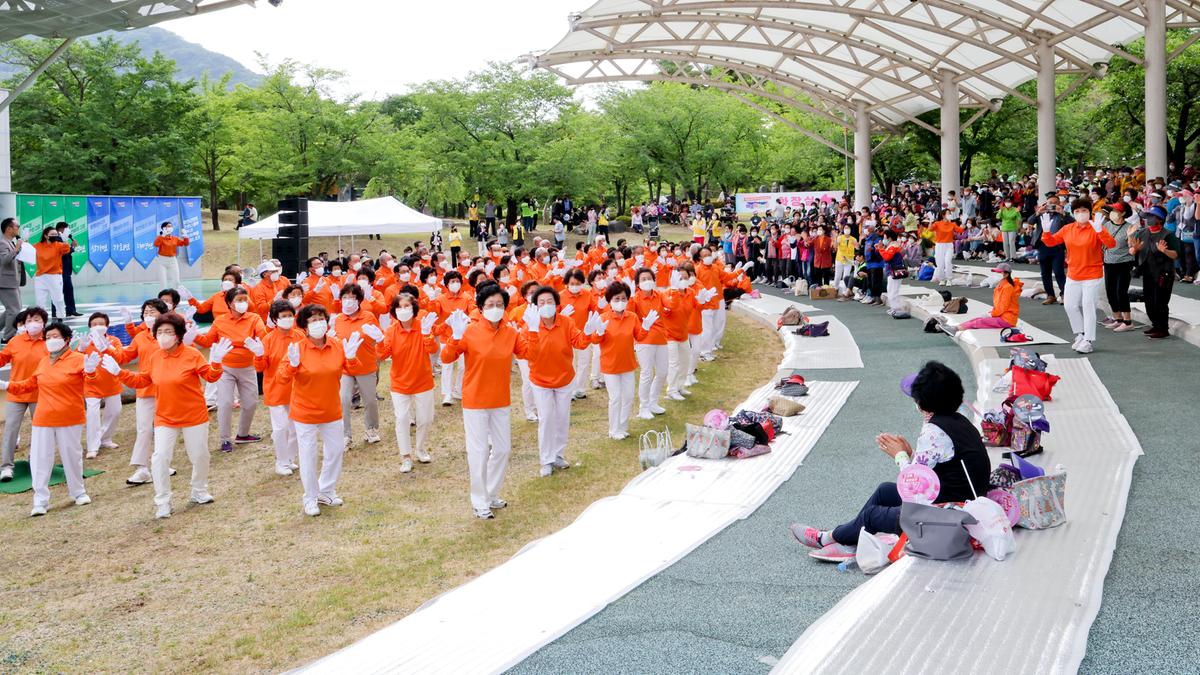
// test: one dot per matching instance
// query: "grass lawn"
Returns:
(250, 584)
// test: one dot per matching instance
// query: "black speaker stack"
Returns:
(290, 246)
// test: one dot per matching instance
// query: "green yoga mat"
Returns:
(23, 481)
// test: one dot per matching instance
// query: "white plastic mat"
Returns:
(930, 304)
(837, 350)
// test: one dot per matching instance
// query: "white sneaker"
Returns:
(1075, 342)
(311, 509)
(330, 500)
(140, 477)
(708, 357)
(645, 415)
(406, 465)
(1084, 347)
(546, 470)
(484, 514)
(561, 463)
(498, 503)
(109, 445)
(691, 380)
(6, 474)
(446, 402)
(163, 511)
(83, 500)
(866, 300)
(294, 466)
(676, 396)
(685, 392)
(530, 417)
(202, 498)
(373, 436)
(91, 454)
(347, 442)
(283, 470)
(658, 409)
(423, 456)
(597, 384)
(37, 511)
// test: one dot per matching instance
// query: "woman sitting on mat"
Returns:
(949, 444)
(1005, 305)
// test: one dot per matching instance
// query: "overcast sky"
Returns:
(384, 45)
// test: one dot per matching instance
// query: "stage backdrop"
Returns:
(112, 232)
(762, 202)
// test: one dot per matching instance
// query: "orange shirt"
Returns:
(176, 377)
(238, 331)
(710, 276)
(105, 383)
(323, 297)
(345, 325)
(263, 294)
(1005, 301)
(49, 257)
(275, 346)
(409, 351)
(143, 345)
(59, 386)
(616, 345)
(445, 304)
(944, 231)
(640, 304)
(584, 304)
(683, 306)
(551, 352)
(316, 384)
(24, 353)
(487, 376)
(169, 246)
(1085, 249)
(215, 304)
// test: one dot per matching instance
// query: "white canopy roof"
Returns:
(830, 53)
(77, 18)
(383, 215)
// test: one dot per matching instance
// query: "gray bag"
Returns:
(936, 534)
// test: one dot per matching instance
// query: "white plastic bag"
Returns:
(655, 448)
(993, 529)
(872, 552)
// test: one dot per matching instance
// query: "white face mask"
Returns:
(493, 314)
(600, 283)
(286, 322)
(34, 327)
(226, 285)
(337, 273)
(404, 276)
(167, 231)
(241, 307)
(317, 329)
(274, 276)
(98, 330)
(618, 306)
(545, 260)
(54, 345)
(708, 259)
(453, 286)
(166, 341)
(356, 266)
(646, 285)
(295, 301)
(575, 289)
(547, 311)
(404, 313)
(504, 280)
(525, 260)
(319, 272)
(1081, 217)
(612, 273)
(349, 306)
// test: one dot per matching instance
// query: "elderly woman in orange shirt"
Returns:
(24, 351)
(176, 370)
(488, 346)
(104, 389)
(314, 368)
(583, 303)
(617, 334)
(59, 379)
(408, 342)
(269, 353)
(168, 246)
(553, 340)
(651, 349)
(143, 345)
(239, 324)
(363, 377)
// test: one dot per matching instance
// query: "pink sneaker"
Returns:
(834, 553)
(809, 536)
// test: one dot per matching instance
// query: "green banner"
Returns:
(29, 214)
(77, 217)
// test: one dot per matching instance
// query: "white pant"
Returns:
(1079, 299)
(679, 365)
(943, 255)
(708, 340)
(408, 406)
(48, 290)
(210, 393)
(893, 292)
(583, 362)
(330, 435)
(595, 350)
(719, 325)
(283, 435)
(694, 342)
(168, 271)
(554, 418)
(195, 441)
(366, 393)
(236, 384)
(143, 444)
(41, 460)
(526, 388)
(841, 274)
(620, 401)
(452, 374)
(652, 360)
(489, 444)
(101, 423)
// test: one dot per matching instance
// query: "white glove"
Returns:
(569, 310)
(188, 312)
(294, 354)
(90, 362)
(351, 345)
(533, 322)
(270, 323)
(649, 320)
(593, 321)
(126, 316)
(748, 265)
(458, 321)
(320, 285)
(738, 267)
(372, 331)
(489, 267)
(427, 322)
(601, 301)
(705, 294)
(184, 294)
(637, 261)
(336, 290)
(674, 279)
(1097, 225)
(220, 350)
(110, 364)
(301, 277)
(189, 336)
(601, 326)
(385, 320)
(99, 340)
(255, 346)
(520, 274)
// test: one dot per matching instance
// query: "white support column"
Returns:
(1047, 154)
(1156, 88)
(862, 155)
(949, 128)
(8, 200)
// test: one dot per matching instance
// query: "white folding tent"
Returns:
(383, 215)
